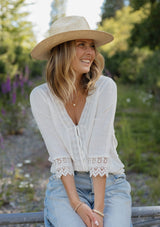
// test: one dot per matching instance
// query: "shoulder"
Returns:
(39, 90)
(105, 83)
(42, 88)
(40, 93)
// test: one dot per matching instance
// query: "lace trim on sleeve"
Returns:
(63, 166)
(98, 166)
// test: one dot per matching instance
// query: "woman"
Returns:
(75, 112)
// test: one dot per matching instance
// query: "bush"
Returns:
(13, 104)
(150, 72)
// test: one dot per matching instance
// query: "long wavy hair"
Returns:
(61, 77)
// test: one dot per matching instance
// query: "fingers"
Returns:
(90, 218)
(98, 221)
(95, 224)
(87, 215)
(93, 219)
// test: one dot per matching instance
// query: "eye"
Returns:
(81, 44)
(93, 46)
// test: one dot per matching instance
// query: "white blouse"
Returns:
(88, 146)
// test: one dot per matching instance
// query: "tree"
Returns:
(58, 10)
(16, 37)
(121, 26)
(137, 4)
(110, 7)
(147, 33)
(139, 65)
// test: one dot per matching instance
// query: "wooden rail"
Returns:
(139, 215)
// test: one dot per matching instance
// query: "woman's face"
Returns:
(85, 55)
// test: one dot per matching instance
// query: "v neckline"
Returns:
(82, 113)
(64, 116)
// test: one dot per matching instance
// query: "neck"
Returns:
(78, 79)
(77, 86)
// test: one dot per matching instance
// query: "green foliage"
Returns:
(137, 129)
(17, 38)
(131, 67)
(37, 68)
(16, 182)
(110, 7)
(151, 73)
(147, 33)
(13, 104)
(136, 4)
(120, 26)
(132, 63)
(142, 67)
(154, 187)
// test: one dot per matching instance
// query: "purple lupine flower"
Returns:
(3, 112)
(22, 83)
(3, 88)
(14, 98)
(15, 85)
(6, 86)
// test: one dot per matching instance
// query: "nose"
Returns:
(89, 50)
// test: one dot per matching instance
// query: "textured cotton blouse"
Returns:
(89, 146)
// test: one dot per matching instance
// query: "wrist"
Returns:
(74, 203)
(78, 206)
(98, 212)
(99, 207)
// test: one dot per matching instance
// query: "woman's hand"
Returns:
(87, 215)
(99, 220)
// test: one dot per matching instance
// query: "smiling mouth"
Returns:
(86, 61)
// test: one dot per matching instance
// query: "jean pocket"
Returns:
(119, 178)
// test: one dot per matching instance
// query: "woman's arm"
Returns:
(69, 184)
(83, 210)
(99, 195)
(99, 192)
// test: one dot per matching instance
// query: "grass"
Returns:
(137, 127)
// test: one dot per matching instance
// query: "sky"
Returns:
(40, 13)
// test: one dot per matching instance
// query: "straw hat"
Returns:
(67, 29)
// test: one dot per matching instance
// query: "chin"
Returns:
(86, 71)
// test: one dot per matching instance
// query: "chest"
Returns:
(75, 110)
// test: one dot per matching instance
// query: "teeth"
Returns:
(86, 61)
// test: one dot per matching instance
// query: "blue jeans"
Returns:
(117, 211)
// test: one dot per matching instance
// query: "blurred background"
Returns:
(132, 60)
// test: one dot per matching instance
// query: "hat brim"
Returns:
(42, 50)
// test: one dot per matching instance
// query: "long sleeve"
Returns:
(101, 141)
(61, 160)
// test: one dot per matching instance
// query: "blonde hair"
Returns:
(61, 77)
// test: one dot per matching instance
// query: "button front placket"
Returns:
(80, 146)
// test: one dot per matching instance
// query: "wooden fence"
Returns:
(141, 216)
